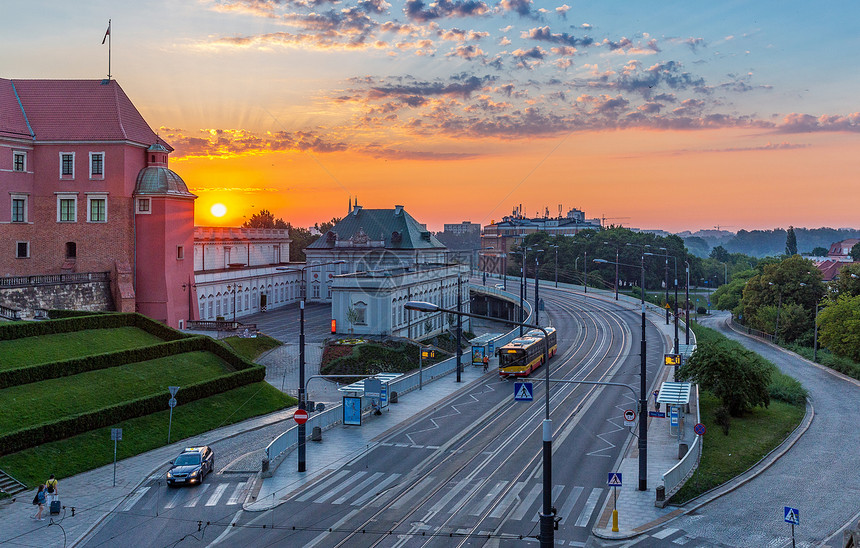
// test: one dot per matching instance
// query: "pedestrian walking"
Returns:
(52, 489)
(486, 363)
(39, 500)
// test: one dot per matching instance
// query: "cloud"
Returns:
(467, 52)
(462, 86)
(459, 35)
(806, 123)
(562, 10)
(227, 143)
(544, 34)
(521, 7)
(417, 10)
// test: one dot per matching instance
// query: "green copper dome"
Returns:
(160, 180)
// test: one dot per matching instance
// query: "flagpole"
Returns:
(109, 38)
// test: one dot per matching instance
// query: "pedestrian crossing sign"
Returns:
(523, 391)
(614, 479)
(792, 515)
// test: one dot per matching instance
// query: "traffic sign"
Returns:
(116, 434)
(614, 479)
(300, 416)
(629, 415)
(171, 402)
(491, 347)
(383, 394)
(671, 359)
(792, 515)
(658, 414)
(673, 416)
(699, 429)
(667, 307)
(173, 390)
(523, 391)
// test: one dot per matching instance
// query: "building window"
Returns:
(19, 209)
(180, 253)
(67, 165)
(22, 250)
(71, 250)
(316, 291)
(143, 205)
(360, 313)
(67, 209)
(97, 210)
(97, 165)
(19, 161)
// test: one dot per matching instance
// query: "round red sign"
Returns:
(629, 415)
(300, 416)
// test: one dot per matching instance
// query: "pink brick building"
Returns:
(85, 187)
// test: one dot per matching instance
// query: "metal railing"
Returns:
(219, 325)
(675, 477)
(751, 331)
(54, 279)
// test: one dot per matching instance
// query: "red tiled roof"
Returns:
(77, 110)
(12, 121)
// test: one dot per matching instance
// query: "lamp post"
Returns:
(556, 264)
(302, 432)
(643, 401)
(616, 269)
(234, 287)
(675, 267)
(537, 299)
(547, 521)
(687, 304)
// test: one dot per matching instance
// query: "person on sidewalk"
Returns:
(39, 500)
(52, 490)
(486, 363)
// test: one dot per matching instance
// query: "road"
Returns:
(469, 473)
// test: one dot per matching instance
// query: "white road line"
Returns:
(418, 489)
(569, 503)
(134, 498)
(196, 498)
(444, 503)
(324, 534)
(237, 494)
(526, 503)
(376, 489)
(173, 500)
(664, 533)
(341, 486)
(583, 518)
(322, 486)
(488, 498)
(556, 492)
(509, 498)
(355, 490)
(216, 496)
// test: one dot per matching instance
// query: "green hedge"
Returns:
(63, 314)
(73, 366)
(100, 418)
(20, 330)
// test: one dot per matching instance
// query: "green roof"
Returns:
(399, 230)
(160, 180)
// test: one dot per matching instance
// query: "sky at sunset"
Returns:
(671, 115)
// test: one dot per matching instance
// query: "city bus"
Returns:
(524, 354)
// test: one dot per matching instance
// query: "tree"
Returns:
(264, 219)
(855, 252)
(845, 283)
(819, 251)
(839, 327)
(327, 225)
(720, 254)
(352, 316)
(728, 297)
(738, 377)
(790, 242)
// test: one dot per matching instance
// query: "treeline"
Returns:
(768, 243)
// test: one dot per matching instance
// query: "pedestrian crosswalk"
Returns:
(502, 500)
(205, 495)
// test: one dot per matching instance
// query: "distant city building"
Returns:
(508, 233)
(465, 227)
(841, 251)
(85, 189)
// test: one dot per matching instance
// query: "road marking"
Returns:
(556, 492)
(196, 498)
(322, 486)
(442, 505)
(173, 500)
(237, 494)
(509, 498)
(377, 489)
(525, 504)
(488, 498)
(227, 530)
(340, 486)
(324, 534)
(355, 490)
(664, 533)
(570, 502)
(134, 498)
(416, 490)
(216, 496)
(585, 516)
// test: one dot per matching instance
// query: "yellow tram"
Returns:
(524, 354)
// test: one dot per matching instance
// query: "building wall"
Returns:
(94, 296)
(218, 247)
(218, 291)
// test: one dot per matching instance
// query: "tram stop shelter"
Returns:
(676, 396)
(483, 345)
(374, 389)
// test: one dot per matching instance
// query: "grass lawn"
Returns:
(251, 348)
(63, 346)
(93, 449)
(31, 404)
(750, 438)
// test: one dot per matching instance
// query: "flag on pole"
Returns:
(107, 33)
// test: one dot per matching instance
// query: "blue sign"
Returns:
(673, 417)
(523, 391)
(614, 479)
(383, 394)
(351, 411)
(657, 414)
(792, 515)
(491, 346)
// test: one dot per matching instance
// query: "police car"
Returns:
(191, 466)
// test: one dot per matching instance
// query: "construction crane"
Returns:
(718, 227)
(604, 218)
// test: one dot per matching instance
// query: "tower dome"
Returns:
(160, 180)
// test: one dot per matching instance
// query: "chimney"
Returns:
(398, 209)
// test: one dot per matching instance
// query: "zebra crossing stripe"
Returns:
(237, 494)
(216, 496)
(499, 510)
(526, 503)
(196, 498)
(376, 489)
(417, 489)
(556, 492)
(342, 485)
(488, 498)
(570, 503)
(355, 490)
(134, 498)
(322, 486)
(443, 504)
(173, 500)
(585, 516)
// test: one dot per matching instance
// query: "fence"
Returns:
(751, 331)
(219, 325)
(54, 279)
(9, 313)
(674, 478)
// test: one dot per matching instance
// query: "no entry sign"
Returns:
(300, 416)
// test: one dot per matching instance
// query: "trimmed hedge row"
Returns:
(100, 418)
(19, 330)
(60, 314)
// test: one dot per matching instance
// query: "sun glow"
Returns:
(218, 210)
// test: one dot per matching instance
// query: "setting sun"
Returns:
(218, 210)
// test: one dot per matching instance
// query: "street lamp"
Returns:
(547, 521)
(302, 432)
(643, 401)
(234, 287)
(556, 264)
(537, 300)
(675, 266)
(616, 269)
(687, 304)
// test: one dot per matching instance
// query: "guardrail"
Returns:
(751, 331)
(219, 325)
(675, 477)
(54, 279)
(9, 313)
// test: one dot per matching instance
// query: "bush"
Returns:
(723, 419)
(702, 310)
(787, 389)
(61, 314)
(18, 330)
